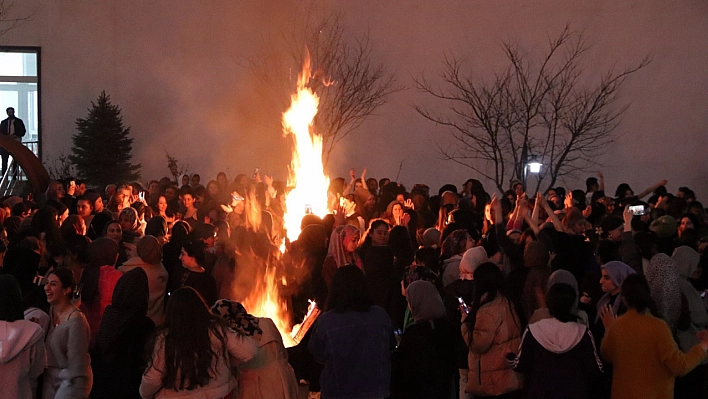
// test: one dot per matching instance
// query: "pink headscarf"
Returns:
(337, 249)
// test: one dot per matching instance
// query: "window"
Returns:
(19, 88)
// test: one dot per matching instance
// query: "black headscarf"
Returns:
(129, 304)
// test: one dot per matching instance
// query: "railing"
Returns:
(10, 178)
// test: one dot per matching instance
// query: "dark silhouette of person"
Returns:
(15, 128)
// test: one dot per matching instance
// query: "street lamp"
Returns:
(532, 166)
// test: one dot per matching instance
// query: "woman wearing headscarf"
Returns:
(662, 276)
(613, 275)
(423, 364)
(453, 248)
(130, 223)
(561, 276)
(117, 357)
(692, 384)
(463, 288)
(268, 375)
(343, 243)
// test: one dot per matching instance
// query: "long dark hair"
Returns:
(11, 308)
(637, 295)
(187, 333)
(101, 252)
(560, 300)
(348, 291)
(489, 280)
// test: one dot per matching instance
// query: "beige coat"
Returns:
(497, 332)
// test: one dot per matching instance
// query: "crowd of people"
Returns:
(131, 291)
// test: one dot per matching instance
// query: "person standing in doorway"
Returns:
(15, 128)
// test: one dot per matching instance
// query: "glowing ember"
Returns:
(306, 177)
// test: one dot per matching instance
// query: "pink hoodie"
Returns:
(22, 358)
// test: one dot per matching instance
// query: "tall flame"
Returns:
(308, 194)
(306, 176)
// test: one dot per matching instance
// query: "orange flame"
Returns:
(306, 176)
(308, 194)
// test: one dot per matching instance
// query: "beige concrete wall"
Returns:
(177, 70)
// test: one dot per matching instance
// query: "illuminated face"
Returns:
(239, 207)
(606, 282)
(488, 212)
(98, 205)
(114, 232)
(162, 204)
(125, 223)
(58, 190)
(56, 292)
(188, 201)
(83, 209)
(686, 224)
(397, 211)
(358, 185)
(351, 242)
(379, 236)
(187, 261)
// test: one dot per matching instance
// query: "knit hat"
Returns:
(150, 250)
(665, 226)
(536, 254)
(611, 222)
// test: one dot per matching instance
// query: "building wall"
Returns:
(180, 71)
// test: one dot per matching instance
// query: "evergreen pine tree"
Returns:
(102, 147)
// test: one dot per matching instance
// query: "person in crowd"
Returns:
(342, 251)
(149, 259)
(68, 373)
(642, 349)
(268, 375)
(157, 227)
(72, 226)
(190, 210)
(663, 278)
(453, 248)
(376, 236)
(353, 339)
(193, 351)
(492, 331)
(130, 222)
(192, 272)
(561, 277)
(423, 363)
(98, 281)
(693, 318)
(117, 358)
(173, 249)
(557, 355)
(22, 357)
(162, 209)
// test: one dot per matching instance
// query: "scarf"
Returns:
(618, 271)
(561, 276)
(239, 320)
(424, 301)
(336, 246)
(662, 276)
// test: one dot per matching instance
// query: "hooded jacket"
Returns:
(22, 358)
(559, 359)
(496, 334)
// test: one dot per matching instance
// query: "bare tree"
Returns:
(545, 111)
(351, 86)
(9, 21)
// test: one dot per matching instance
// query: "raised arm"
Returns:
(651, 189)
(554, 218)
